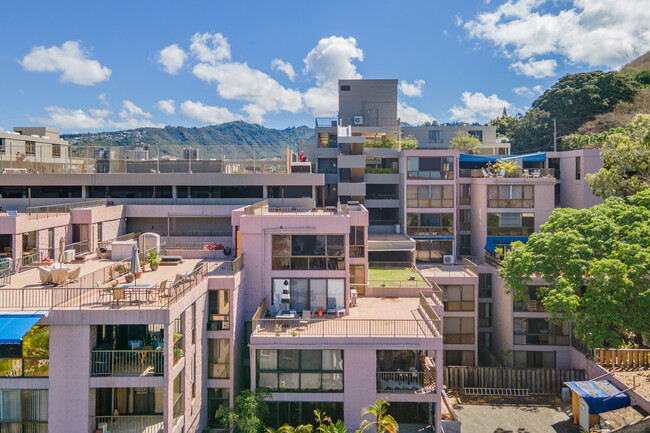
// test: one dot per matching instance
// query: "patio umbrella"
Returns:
(285, 298)
(135, 260)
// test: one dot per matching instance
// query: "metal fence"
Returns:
(406, 381)
(128, 423)
(126, 363)
(407, 328)
(38, 212)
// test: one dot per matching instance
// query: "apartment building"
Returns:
(367, 268)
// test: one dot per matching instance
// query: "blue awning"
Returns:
(531, 157)
(493, 241)
(594, 393)
(13, 327)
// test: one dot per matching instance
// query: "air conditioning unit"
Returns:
(358, 120)
(448, 259)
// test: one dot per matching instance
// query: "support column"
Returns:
(439, 390)
(174, 191)
(265, 191)
(84, 191)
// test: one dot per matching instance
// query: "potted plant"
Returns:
(153, 259)
(129, 277)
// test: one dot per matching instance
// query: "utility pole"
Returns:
(554, 136)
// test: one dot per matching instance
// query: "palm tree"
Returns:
(384, 422)
(289, 429)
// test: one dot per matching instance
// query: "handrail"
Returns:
(58, 209)
(404, 328)
(406, 381)
(126, 363)
(430, 313)
(417, 283)
(139, 423)
(430, 230)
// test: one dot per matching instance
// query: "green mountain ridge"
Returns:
(236, 140)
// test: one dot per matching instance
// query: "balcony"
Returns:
(430, 231)
(357, 251)
(123, 363)
(327, 122)
(128, 423)
(511, 203)
(406, 381)
(539, 173)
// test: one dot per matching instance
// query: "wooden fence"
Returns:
(628, 359)
(535, 380)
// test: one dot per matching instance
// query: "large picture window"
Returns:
(432, 251)
(510, 224)
(430, 195)
(430, 224)
(30, 358)
(218, 358)
(511, 196)
(458, 330)
(308, 252)
(300, 370)
(309, 293)
(458, 298)
(431, 168)
(23, 406)
(357, 241)
(540, 331)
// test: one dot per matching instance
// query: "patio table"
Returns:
(133, 291)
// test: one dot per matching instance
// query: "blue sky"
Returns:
(86, 66)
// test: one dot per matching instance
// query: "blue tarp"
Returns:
(532, 157)
(493, 241)
(13, 327)
(594, 394)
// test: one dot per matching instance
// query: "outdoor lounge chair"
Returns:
(162, 289)
(45, 275)
(306, 316)
(73, 272)
(59, 276)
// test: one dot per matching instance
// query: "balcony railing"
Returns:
(430, 231)
(24, 367)
(357, 251)
(511, 202)
(532, 173)
(440, 175)
(30, 427)
(38, 212)
(407, 328)
(418, 282)
(327, 122)
(126, 363)
(406, 381)
(128, 423)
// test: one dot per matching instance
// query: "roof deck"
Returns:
(101, 286)
(404, 318)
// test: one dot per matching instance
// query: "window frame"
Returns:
(301, 371)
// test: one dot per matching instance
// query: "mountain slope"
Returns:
(235, 139)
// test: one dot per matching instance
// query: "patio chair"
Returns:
(45, 275)
(104, 291)
(306, 316)
(537, 173)
(161, 289)
(502, 173)
(118, 295)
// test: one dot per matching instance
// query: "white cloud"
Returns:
(459, 20)
(535, 69)
(478, 106)
(286, 67)
(525, 91)
(73, 119)
(595, 32)
(330, 60)
(131, 110)
(411, 115)
(172, 58)
(69, 59)
(166, 106)
(207, 113)
(210, 48)
(409, 89)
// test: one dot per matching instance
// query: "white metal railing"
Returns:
(406, 381)
(128, 423)
(126, 363)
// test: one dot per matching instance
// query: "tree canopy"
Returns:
(249, 411)
(626, 158)
(465, 143)
(596, 263)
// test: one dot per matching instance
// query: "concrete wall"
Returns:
(577, 193)
(375, 100)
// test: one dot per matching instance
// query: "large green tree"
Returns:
(505, 125)
(626, 158)
(465, 143)
(250, 409)
(596, 263)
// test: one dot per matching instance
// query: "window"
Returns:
(484, 285)
(510, 224)
(554, 163)
(218, 310)
(511, 196)
(178, 395)
(458, 330)
(458, 298)
(23, 406)
(465, 194)
(430, 224)
(345, 87)
(484, 314)
(464, 245)
(478, 134)
(540, 332)
(56, 150)
(30, 148)
(430, 195)
(300, 370)
(308, 252)
(435, 136)
(358, 278)
(459, 357)
(533, 359)
(327, 165)
(192, 322)
(30, 358)
(464, 219)
(309, 294)
(431, 251)
(217, 398)
(430, 168)
(357, 241)
(3, 144)
(578, 169)
(218, 358)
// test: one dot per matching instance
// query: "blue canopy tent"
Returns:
(477, 162)
(13, 327)
(494, 241)
(593, 397)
